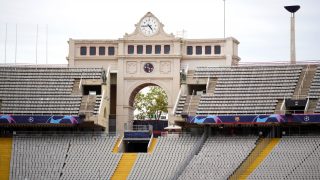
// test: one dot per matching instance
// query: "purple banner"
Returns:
(274, 118)
(12, 119)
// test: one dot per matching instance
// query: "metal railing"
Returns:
(207, 86)
(101, 101)
(63, 133)
(191, 97)
(150, 141)
(303, 79)
(177, 101)
(195, 151)
(259, 113)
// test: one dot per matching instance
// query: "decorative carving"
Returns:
(131, 67)
(165, 67)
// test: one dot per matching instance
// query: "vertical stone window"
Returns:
(217, 49)
(207, 50)
(92, 51)
(83, 50)
(148, 49)
(111, 51)
(157, 49)
(102, 51)
(166, 49)
(198, 50)
(130, 49)
(189, 50)
(140, 49)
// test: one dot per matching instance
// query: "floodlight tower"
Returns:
(292, 10)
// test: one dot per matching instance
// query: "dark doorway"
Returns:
(136, 146)
(88, 89)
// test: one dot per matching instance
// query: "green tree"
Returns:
(152, 104)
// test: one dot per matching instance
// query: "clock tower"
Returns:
(147, 57)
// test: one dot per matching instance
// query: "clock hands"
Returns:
(148, 25)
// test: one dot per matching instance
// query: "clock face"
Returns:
(148, 67)
(149, 26)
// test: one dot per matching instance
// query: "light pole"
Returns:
(224, 18)
(292, 10)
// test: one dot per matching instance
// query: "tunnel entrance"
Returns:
(136, 146)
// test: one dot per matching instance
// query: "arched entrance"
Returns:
(125, 110)
(143, 89)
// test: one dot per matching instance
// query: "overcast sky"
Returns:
(261, 26)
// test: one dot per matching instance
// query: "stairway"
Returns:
(75, 88)
(124, 166)
(181, 104)
(265, 152)
(87, 106)
(312, 105)
(305, 80)
(152, 145)
(116, 146)
(278, 106)
(191, 104)
(212, 85)
(5, 157)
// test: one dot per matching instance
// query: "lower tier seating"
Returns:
(293, 158)
(166, 159)
(63, 157)
(219, 157)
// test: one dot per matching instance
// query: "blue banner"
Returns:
(273, 118)
(12, 119)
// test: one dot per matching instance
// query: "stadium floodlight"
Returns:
(292, 10)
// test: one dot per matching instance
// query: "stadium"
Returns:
(226, 119)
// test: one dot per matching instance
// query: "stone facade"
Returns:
(150, 56)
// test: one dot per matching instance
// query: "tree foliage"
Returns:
(152, 104)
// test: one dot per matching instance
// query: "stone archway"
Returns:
(137, 89)
(125, 111)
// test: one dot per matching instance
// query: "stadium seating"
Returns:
(219, 157)
(180, 105)
(163, 163)
(63, 157)
(293, 158)
(314, 91)
(97, 105)
(247, 89)
(42, 91)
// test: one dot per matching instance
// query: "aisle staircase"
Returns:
(116, 146)
(265, 152)
(5, 157)
(124, 167)
(152, 145)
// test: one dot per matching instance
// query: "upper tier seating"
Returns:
(247, 89)
(42, 91)
(166, 159)
(219, 157)
(293, 158)
(314, 91)
(69, 157)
